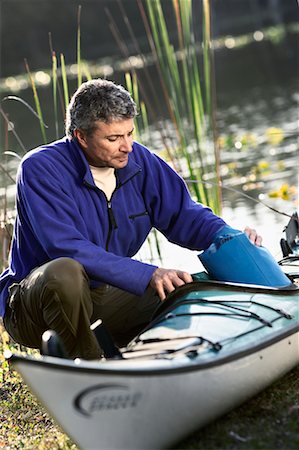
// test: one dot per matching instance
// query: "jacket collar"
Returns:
(122, 175)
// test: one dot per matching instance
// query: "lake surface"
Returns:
(249, 103)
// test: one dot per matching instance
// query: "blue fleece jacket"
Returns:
(61, 212)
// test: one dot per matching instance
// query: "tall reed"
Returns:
(37, 103)
(187, 92)
(54, 84)
(64, 81)
(79, 65)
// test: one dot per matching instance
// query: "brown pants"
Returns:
(57, 296)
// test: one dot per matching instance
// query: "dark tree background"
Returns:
(25, 24)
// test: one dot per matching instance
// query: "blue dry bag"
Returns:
(233, 257)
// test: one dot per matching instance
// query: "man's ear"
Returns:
(81, 137)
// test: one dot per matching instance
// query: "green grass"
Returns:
(269, 421)
(24, 423)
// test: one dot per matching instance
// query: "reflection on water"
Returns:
(253, 117)
(277, 107)
(248, 108)
(253, 113)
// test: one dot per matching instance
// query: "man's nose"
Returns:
(126, 144)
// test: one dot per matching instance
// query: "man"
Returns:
(85, 205)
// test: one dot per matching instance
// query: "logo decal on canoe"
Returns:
(106, 397)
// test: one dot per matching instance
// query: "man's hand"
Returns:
(166, 280)
(253, 236)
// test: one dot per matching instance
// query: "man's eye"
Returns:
(112, 139)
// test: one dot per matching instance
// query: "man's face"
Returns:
(109, 145)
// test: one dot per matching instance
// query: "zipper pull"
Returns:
(111, 216)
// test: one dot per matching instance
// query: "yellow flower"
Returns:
(221, 141)
(274, 135)
(285, 192)
(263, 165)
(249, 139)
(273, 194)
(262, 168)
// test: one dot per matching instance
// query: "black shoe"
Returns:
(104, 338)
(52, 345)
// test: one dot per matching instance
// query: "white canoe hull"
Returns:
(135, 405)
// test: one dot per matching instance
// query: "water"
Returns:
(254, 112)
(277, 107)
(247, 106)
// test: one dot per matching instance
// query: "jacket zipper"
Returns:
(112, 222)
(111, 217)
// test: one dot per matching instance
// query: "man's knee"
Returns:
(65, 282)
(65, 272)
(62, 279)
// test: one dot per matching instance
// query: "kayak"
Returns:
(211, 346)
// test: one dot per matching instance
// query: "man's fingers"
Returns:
(167, 284)
(185, 276)
(166, 280)
(161, 292)
(258, 240)
(253, 236)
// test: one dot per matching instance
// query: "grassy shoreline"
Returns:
(268, 421)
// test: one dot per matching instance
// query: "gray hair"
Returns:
(98, 100)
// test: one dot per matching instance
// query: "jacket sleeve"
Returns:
(52, 216)
(182, 220)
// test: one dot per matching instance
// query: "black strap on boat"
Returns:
(237, 336)
(247, 315)
(193, 352)
(279, 311)
(227, 304)
(175, 297)
(192, 342)
(223, 303)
